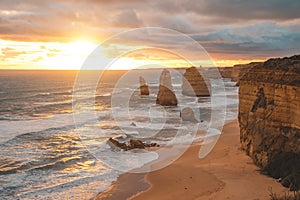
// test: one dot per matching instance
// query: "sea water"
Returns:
(45, 155)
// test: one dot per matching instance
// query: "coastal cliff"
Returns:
(269, 111)
(238, 71)
(225, 72)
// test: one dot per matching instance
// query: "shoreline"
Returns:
(126, 186)
(226, 173)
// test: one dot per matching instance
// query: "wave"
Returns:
(54, 103)
(32, 96)
(16, 118)
(59, 122)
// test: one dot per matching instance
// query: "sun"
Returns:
(70, 55)
(80, 47)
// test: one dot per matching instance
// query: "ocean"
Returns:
(53, 129)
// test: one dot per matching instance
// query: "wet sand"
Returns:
(226, 173)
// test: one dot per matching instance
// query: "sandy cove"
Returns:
(226, 173)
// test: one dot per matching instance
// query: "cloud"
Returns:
(8, 52)
(178, 22)
(37, 59)
(259, 41)
(224, 27)
(127, 19)
(244, 9)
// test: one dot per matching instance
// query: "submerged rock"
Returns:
(144, 89)
(133, 144)
(166, 96)
(193, 83)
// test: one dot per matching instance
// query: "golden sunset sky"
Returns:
(61, 34)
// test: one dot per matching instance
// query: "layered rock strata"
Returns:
(144, 90)
(269, 111)
(166, 96)
(193, 84)
(240, 70)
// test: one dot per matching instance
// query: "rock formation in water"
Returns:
(187, 114)
(240, 70)
(144, 90)
(193, 84)
(269, 111)
(133, 144)
(166, 96)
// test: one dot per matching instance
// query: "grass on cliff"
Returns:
(295, 195)
(285, 167)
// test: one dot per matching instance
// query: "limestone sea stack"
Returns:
(187, 114)
(269, 115)
(193, 83)
(144, 90)
(166, 96)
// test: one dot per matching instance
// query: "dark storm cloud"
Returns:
(237, 9)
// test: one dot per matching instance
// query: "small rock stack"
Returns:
(144, 90)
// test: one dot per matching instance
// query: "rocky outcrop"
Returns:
(144, 90)
(225, 72)
(217, 72)
(187, 114)
(193, 84)
(239, 71)
(269, 110)
(133, 144)
(166, 96)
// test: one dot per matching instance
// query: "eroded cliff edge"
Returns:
(269, 109)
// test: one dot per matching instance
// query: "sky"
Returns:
(48, 34)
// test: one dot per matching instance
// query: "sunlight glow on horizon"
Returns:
(72, 55)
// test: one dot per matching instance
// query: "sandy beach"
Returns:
(226, 173)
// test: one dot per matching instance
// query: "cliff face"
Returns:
(216, 72)
(269, 109)
(193, 84)
(225, 72)
(238, 71)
